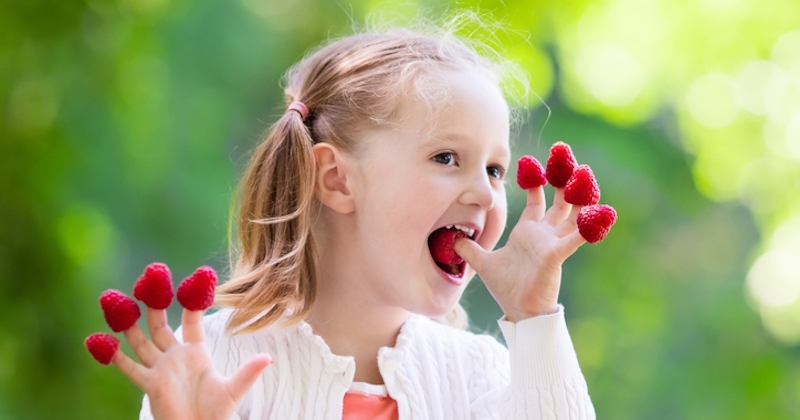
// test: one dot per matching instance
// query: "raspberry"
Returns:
(102, 346)
(595, 221)
(530, 173)
(154, 287)
(120, 311)
(196, 292)
(441, 244)
(560, 164)
(582, 188)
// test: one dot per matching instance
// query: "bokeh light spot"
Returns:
(783, 323)
(793, 135)
(610, 73)
(786, 52)
(710, 100)
(752, 86)
(774, 279)
(86, 233)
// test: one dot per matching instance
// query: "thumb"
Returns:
(246, 375)
(471, 252)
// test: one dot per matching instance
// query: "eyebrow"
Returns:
(446, 138)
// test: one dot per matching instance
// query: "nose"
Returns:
(478, 191)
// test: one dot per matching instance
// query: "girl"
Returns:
(390, 139)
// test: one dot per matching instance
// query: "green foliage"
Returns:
(125, 125)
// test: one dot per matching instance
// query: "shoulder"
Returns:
(478, 362)
(470, 344)
(284, 342)
(228, 351)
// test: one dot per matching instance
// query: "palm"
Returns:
(180, 379)
(525, 275)
(188, 367)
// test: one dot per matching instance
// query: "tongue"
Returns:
(441, 244)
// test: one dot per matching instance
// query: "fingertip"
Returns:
(190, 316)
(160, 331)
(536, 203)
(558, 195)
(134, 371)
(573, 214)
(264, 359)
(573, 241)
(193, 331)
(156, 318)
(247, 374)
(536, 193)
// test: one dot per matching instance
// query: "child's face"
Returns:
(428, 174)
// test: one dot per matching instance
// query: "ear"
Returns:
(332, 187)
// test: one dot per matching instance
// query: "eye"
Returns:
(497, 172)
(446, 158)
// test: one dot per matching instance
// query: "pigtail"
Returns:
(276, 270)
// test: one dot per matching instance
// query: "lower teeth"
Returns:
(452, 269)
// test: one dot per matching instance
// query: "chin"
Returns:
(443, 307)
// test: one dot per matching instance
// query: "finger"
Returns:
(160, 332)
(569, 244)
(560, 209)
(536, 204)
(246, 375)
(145, 350)
(134, 371)
(570, 224)
(193, 331)
(471, 252)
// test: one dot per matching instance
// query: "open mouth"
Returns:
(441, 242)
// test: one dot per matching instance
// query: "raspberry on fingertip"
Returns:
(560, 164)
(581, 188)
(530, 173)
(595, 221)
(102, 346)
(119, 310)
(196, 292)
(154, 287)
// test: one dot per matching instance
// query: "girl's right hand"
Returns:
(179, 378)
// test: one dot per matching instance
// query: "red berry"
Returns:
(102, 346)
(120, 311)
(196, 292)
(530, 173)
(154, 287)
(582, 188)
(595, 221)
(441, 244)
(560, 164)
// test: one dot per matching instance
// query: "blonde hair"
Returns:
(353, 84)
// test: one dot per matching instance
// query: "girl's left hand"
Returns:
(524, 276)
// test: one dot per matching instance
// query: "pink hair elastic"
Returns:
(300, 107)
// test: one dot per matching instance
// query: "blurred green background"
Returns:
(124, 126)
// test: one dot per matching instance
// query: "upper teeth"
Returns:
(464, 229)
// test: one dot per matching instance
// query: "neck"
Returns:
(351, 327)
(351, 319)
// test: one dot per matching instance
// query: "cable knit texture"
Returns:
(433, 372)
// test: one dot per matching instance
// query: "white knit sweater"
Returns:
(433, 372)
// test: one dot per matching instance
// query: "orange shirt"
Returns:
(367, 401)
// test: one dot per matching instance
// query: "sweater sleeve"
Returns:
(545, 379)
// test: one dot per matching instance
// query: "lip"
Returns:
(450, 278)
(456, 280)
